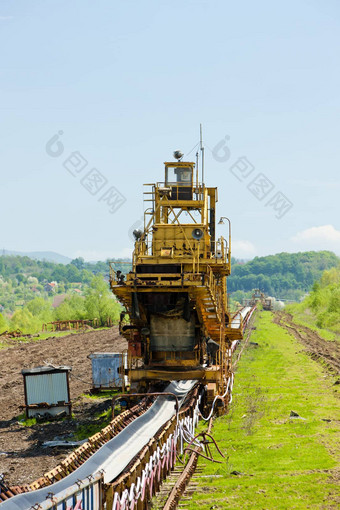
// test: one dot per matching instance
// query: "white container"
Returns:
(47, 390)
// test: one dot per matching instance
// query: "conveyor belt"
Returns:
(241, 314)
(115, 455)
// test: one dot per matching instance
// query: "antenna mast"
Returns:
(202, 153)
(197, 159)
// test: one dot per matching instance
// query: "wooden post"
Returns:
(108, 496)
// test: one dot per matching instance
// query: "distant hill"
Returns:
(285, 275)
(49, 256)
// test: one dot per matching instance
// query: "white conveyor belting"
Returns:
(113, 456)
(236, 322)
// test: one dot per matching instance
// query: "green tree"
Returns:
(79, 263)
(61, 288)
(25, 321)
(334, 300)
(100, 303)
(72, 308)
(3, 323)
(41, 309)
(21, 278)
(73, 274)
(86, 276)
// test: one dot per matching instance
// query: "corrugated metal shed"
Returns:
(47, 390)
(105, 369)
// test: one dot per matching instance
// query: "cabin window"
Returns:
(178, 175)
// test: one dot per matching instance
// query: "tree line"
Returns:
(26, 306)
(285, 275)
(97, 303)
(20, 268)
(23, 279)
(324, 300)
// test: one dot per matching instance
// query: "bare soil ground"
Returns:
(328, 352)
(22, 458)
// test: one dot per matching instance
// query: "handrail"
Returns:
(194, 248)
(113, 276)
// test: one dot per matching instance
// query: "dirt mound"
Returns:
(22, 458)
(319, 349)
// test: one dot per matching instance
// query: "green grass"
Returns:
(99, 422)
(44, 336)
(283, 462)
(26, 422)
(305, 317)
(101, 394)
(29, 422)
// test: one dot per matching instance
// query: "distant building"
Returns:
(51, 287)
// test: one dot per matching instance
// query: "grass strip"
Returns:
(274, 461)
(305, 317)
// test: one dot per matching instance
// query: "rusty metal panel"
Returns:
(172, 334)
(106, 369)
(135, 348)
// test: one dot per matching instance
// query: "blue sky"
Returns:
(129, 82)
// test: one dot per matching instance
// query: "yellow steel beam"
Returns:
(205, 374)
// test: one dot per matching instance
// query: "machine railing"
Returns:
(216, 292)
(205, 277)
(218, 251)
(85, 494)
(113, 274)
(162, 187)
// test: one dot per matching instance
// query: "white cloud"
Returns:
(243, 249)
(325, 237)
